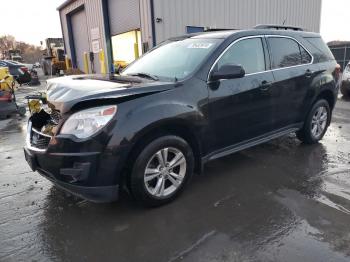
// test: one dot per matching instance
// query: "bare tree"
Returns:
(7, 42)
(30, 53)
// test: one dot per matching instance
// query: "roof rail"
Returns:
(279, 27)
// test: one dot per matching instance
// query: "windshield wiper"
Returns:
(145, 75)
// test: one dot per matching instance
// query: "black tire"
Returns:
(137, 176)
(22, 111)
(305, 134)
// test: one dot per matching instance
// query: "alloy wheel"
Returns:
(319, 122)
(165, 172)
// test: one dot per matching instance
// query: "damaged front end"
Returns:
(43, 122)
(70, 134)
(72, 164)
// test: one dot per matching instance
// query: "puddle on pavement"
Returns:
(324, 201)
(13, 125)
(335, 189)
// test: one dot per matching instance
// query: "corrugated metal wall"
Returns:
(124, 15)
(177, 14)
(241, 14)
(146, 25)
(80, 36)
(94, 18)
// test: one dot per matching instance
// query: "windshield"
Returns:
(174, 60)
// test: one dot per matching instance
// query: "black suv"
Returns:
(190, 100)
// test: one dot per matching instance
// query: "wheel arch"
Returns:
(174, 127)
(327, 95)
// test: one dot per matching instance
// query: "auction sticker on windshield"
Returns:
(200, 45)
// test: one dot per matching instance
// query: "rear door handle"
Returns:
(265, 85)
(309, 73)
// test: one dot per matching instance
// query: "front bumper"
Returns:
(91, 169)
(98, 194)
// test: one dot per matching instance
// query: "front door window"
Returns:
(249, 53)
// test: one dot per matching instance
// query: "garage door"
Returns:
(80, 37)
(124, 15)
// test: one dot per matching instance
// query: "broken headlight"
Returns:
(87, 122)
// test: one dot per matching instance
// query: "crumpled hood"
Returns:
(64, 92)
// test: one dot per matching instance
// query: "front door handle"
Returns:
(265, 85)
(308, 73)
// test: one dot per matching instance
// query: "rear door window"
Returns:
(286, 52)
(249, 53)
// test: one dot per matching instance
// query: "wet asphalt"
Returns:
(280, 201)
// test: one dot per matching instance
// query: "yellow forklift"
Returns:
(53, 60)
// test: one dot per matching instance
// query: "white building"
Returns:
(124, 29)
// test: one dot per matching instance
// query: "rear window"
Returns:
(321, 51)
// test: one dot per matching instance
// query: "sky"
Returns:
(335, 20)
(31, 21)
(38, 19)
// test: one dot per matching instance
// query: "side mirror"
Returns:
(229, 71)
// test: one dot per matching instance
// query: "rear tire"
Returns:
(161, 171)
(316, 124)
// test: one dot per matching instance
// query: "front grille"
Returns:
(39, 140)
(41, 127)
(55, 117)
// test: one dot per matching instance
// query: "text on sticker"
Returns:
(200, 45)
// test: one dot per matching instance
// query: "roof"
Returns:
(215, 34)
(228, 33)
(64, 4)
(278, 27)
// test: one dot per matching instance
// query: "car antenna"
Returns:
(175, 79)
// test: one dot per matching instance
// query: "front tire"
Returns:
(316, 123)
(161, 170)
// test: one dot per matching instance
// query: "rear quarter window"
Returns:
(320, 50)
